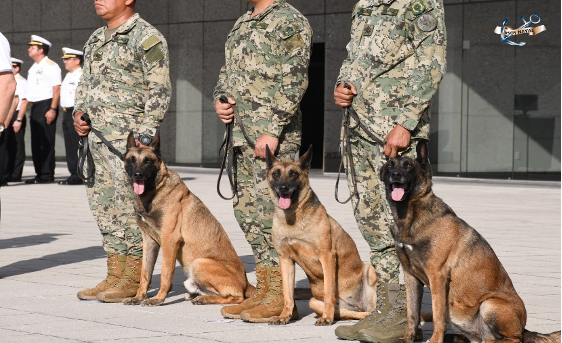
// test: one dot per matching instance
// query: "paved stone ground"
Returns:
(50, 249)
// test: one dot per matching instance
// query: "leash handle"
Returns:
(346, 153)
(228, 152)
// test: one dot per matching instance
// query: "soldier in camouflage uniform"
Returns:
(265, 77)
(125, 87)
(395, 62)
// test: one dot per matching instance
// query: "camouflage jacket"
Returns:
(266, 72)
(126, 83)
(396, 59)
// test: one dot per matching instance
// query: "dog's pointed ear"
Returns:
(422, 152)
(269, 158)
(155, 145)
(306, 159)
(131, 143)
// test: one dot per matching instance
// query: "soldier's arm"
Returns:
(424, 69)
(350, 47)
(294, 62)
(220, 89)
(157, 78)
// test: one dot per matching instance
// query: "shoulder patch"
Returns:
(152, 51)
(290, 29)
(49, 62)
(150, 42)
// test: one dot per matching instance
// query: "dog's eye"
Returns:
(293, 173)
(276, 173)
(132, 159)
(147, 161)
(408, 165)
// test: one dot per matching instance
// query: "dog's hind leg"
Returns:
(341, 313)
(504, 320)
(216, 283)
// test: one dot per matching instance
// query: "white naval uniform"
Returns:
(41, 79)
(68, 88)
(21, 89)
(5, 58)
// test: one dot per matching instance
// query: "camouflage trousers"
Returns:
(370, 206)
(253, 206)
(111, 196)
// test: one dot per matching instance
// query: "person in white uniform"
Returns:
(7, 85)
(15, 132)
(43, 93)
(73, 60)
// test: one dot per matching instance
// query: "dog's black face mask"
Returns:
(402, 175)
(142, 164)
(288, 179)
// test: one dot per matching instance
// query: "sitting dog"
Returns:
(469, 286)
(343, 287)
(172, 217)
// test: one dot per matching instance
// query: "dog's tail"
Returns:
(535, 337)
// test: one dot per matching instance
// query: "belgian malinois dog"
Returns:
(343, 287)
(172, 217)
(469, 286)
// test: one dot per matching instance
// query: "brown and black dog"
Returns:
(343, 287)
(469, 286)
(172, 217)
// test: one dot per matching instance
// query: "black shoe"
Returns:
(38, 181)
(72, 181)
(3, 183)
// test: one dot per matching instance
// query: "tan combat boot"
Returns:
(262, 286)
(127, 286)
(272, 304)
(115, 267)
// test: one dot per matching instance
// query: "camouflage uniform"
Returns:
(265, 72)
(396, 59)
(125, 87)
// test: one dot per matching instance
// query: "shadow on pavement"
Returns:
(26, 241)
(53, 260)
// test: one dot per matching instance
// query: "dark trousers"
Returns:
(43, 140)
(15, 154)
(71, 140)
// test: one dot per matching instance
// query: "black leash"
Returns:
(84, 154)
(228, 147)
(349, 113)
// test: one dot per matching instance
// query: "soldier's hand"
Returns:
(224, 110)
(50, 116)
(81, 127)
(397, 140)
(17, 126)
(272, 142)
(343, 96)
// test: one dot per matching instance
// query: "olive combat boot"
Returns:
(127, 286)
(393, 325)
(115, 268)
(262, 287)
(388, 320)
(272, 304)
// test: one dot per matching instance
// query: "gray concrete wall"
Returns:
(475, 128)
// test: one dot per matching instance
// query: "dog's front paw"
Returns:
(279, 320)
(398, 340)
(135, 300)
(152, 302)
(324, 321)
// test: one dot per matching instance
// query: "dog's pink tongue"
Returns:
(397, 193)
(138, 186)
(284, 201)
